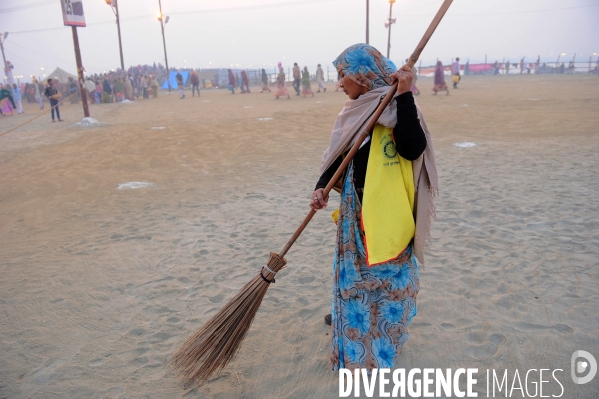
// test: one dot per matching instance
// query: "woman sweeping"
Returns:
(440, 84)
(385, 213)
(306, 88)
(281, 84)
(231, 81)
(264, 82)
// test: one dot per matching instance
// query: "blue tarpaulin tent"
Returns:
(171, 77)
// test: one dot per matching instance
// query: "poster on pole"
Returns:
(72, 12)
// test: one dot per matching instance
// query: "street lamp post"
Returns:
(367, 19)
(3, 37)
(162, 22)
(388, 24)
(114, 6)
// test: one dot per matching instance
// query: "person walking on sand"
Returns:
(106, 90)
(455, 70)
(143, 82)
(179, 79)
(195, 83)
(281, 84)
(232, 82)
(154, 86)
(7, 103)
(306, 88)
(440, 84)
(37, 92)
(52, 94)
(297, 78)
(128, 89)
(320, 79)
(245, 83)
(377, 252)
(264, 82)
(17, 95)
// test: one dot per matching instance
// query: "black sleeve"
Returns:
(410, 140)
(326, 176)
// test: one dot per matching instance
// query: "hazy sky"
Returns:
(259, 33)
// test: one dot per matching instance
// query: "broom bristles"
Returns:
(213, 346)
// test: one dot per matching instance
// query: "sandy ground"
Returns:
(100, 285)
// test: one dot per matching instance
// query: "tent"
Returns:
(61, 75)
(173, 80)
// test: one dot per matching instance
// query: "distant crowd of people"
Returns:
(301, 81)
(145, 80)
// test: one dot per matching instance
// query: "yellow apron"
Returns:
(388, 200)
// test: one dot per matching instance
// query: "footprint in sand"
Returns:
(96, 363)
(138, 332)
(489, 347)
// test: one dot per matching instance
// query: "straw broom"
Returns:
(211, 348)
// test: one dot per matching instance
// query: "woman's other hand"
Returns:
(405, 77)
(318, 201)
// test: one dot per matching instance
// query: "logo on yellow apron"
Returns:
(388, 201)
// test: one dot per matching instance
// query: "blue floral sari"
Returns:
(372, 306)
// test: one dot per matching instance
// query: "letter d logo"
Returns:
(581, 366)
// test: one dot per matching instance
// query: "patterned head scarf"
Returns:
(366, 66)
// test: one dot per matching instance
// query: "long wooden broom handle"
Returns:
(371, 123)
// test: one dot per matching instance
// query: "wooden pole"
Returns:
(367, 22)
(168, 72)
(80, 77)
(118, 25)
(3, 56)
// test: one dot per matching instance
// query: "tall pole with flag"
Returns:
(73, 16)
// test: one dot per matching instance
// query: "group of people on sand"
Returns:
(243, 84)
(127, 87)
(440, 84)
(300, 79)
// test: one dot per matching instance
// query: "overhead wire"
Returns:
(26, 6)
(301, 2)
